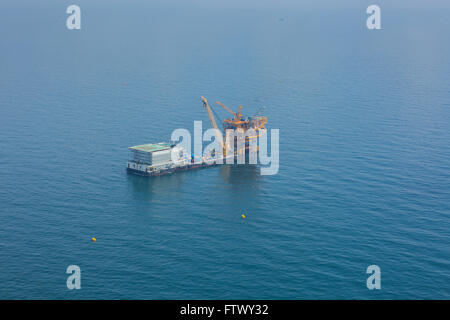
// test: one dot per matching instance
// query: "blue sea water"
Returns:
(364, 172)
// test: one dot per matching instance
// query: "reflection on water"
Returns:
(241, 174)
(238, 177)
(152, 186)
(242, 184)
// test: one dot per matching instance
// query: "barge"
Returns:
(163, 158)
(156, 160)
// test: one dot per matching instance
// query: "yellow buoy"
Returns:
(243, 216)
(93, 239)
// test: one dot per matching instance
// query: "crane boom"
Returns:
(213, 121)
(226, 108)
(238, 113)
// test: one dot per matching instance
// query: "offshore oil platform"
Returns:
(164, 158)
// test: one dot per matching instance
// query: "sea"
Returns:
(364, 150)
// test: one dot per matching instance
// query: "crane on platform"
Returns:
(237, 115)
(213, 121)
(238, 122)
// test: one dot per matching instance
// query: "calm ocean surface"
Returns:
(364, 150)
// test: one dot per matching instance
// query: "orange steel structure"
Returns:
(238, 122)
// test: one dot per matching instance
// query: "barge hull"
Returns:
(171, 170)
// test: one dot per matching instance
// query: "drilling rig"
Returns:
(237, 122)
